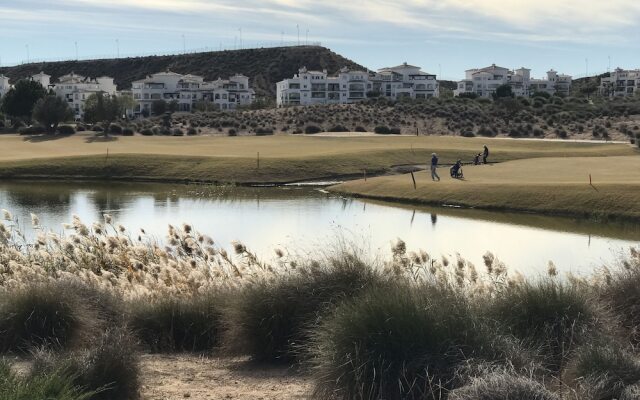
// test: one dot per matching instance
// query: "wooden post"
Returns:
(258, 160)
(414, 180)
(590, 180)
(364, 172)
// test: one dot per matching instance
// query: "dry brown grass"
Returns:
(550, 185)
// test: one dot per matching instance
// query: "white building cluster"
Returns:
(4, 85)
(188, 90)
(317, 87)
(483, 82)
(621, 83)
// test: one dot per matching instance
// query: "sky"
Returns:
(445, 37)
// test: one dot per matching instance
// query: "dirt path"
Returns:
(169, 377)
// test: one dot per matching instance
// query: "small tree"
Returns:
(158, 107)
(50, 111)
(172, 106)
(503, 91)
(20, 100)
(103, 108)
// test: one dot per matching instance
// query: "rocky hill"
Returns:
(264, 66)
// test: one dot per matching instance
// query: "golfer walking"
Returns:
(434, 166)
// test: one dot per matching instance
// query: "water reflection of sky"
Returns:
(312, 220)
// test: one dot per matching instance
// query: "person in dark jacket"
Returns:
(434, 166)
(485, 154)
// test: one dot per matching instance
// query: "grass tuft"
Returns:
(178, 324)
(269, 320)
(502, 386)
(398, 343)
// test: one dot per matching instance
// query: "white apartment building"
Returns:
(317, 87)
(4, 85)
(187, 90)
(621, 83)
(76, 89)
(43, 79)
(484, 82)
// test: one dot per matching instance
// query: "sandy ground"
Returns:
(169, 377)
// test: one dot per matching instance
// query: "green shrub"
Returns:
(127, 132)
(180, 324)
(115, 129)
(402, 342)
(311, 129)
(177, 132)
(66, 130)
(97, 128)
(264, 131)
(192, 131)
(502, 386)
(338, 128)
(360, 129)
(146, 132)
(32, 130)
(269, 320)
(394, 131)
(548, 315)
(382, 130)
(55, 385)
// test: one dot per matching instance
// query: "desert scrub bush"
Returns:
(115, 129)
(502, 386)
(403, 342)
(270, 319)
(602, 370)
(551, 316)
(127, 132)
(359, 129)
(311, 129)
(146, 132)
(46, 315)
(108, 367)
(66, 130)
(178, 324)
(338, 128)
(382, 130)
(192, 131)
(54, 385)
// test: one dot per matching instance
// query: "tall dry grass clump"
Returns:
(603, 370)
(403, 342)
(108, 366)
(43, 315)
(178, 324)
(269, 320)
(619, 288)
(503, 386)
(552, 316)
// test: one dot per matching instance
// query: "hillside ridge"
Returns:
(263, 66)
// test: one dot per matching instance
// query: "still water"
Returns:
(308, 219)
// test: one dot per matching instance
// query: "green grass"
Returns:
(55, 385)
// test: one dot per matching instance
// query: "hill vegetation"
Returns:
(264, 67)
(540, 117)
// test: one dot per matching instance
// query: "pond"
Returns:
(301, 219)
